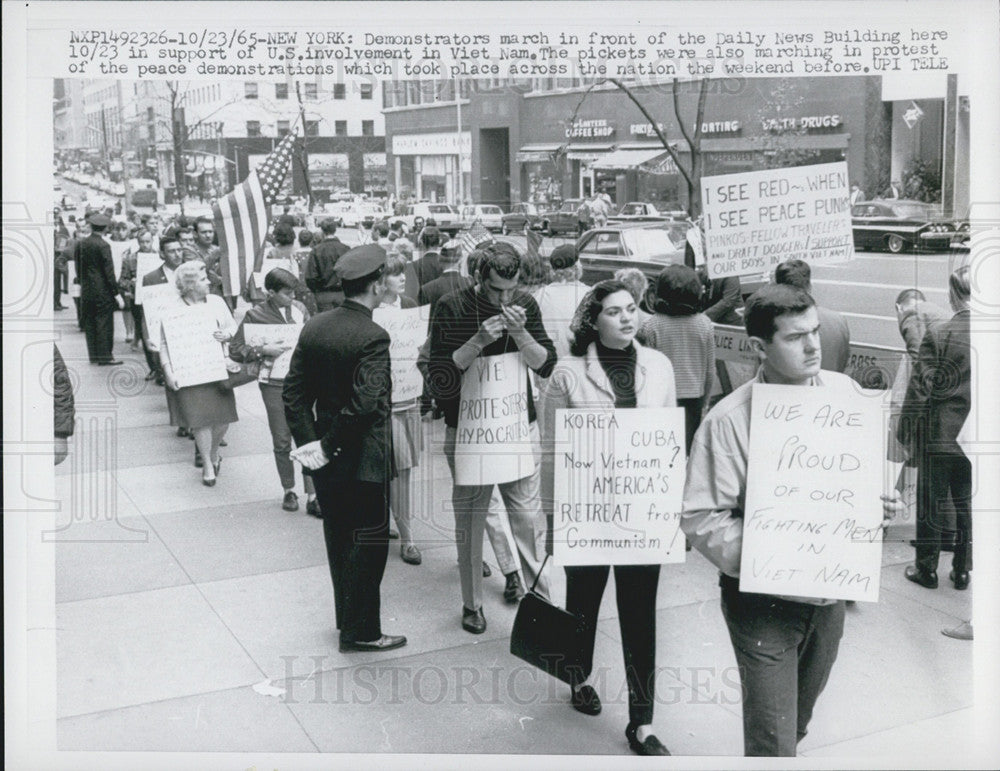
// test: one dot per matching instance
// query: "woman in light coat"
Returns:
(608, 369)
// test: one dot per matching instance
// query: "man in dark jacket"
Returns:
(320, 275)
(428, 267)
(341, 368)
(449, 280)
(937, 404)
(99, 295)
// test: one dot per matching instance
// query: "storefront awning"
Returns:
(790, 141)
(587, 151)
(535, 153)
(630, 159)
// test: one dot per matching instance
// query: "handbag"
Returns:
(247, 373)
(548, 637)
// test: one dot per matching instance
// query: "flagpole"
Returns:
(303, 153)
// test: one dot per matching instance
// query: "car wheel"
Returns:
(895, 244)
(504, 230)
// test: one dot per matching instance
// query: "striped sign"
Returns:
(242, 217)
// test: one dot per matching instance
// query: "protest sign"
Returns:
(118, 249)
(812, 516)
(158, 300)
(493, 444)
(618, 486)
(145, 262)
(274, 334)
(195, 355)
(407, 330)
(757, 219)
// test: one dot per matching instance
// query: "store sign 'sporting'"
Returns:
(807, 122)
(708, 127)
(597, 128)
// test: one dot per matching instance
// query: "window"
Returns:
(253, 128)
(250, 90)
(310, 90)
(284, 127)
(367, 128)
(340, 128)
(280, 90)
(339, 91)
(312, 128)
(366, 90)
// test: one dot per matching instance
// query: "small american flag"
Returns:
(242, 217)
(474, 236)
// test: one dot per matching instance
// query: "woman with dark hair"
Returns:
(685, 335)
(407, 428)
(280, 307)
(608, 369)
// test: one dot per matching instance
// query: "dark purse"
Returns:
(248, 373)
(548, 637)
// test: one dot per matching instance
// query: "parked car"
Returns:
(447, 217)
(489, 215)
(647, 246)
(360, 215)
(520, 218)
(899, 225)
(564, 219)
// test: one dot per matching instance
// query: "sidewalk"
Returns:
(201, 619)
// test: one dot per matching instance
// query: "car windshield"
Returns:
(491, 210)
(630, 209)
(439, 208)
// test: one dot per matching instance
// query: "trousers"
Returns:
(99, 329)
(785, 651)
(942, 477)
(281, 436)
(356, 531)
(527, 524)
(635, 590)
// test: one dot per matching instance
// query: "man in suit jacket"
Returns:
(320, 274)
(172, 255)
(936, 407)
(341, 368)
(428, 267)
(99, 295)
(450, 279)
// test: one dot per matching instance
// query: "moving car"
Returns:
(490, 216)
(647, 246)
(564, 219)
(638, 211)
(521, 218)
(899, 225)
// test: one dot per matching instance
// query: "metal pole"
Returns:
(125, 180)
(458, 111)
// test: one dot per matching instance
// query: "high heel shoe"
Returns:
(208, 482)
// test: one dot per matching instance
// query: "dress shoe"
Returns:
(473, 620)
(918, 576)
(961, 579)
(223, 443)
(486, 571)
(151, 376)
(585, 699)
(961, 632)
(312, 508)
(410, 554)
(290, 501)
(386, 642)
(112, 363)
(208, 482)
(648, 746)
(393, 535)
(59, 308)
(513, 591)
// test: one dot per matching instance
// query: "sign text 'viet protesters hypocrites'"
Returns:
(812, 517)
(758, 219)
(618, 486)
(493, 442)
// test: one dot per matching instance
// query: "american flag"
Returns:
(242, 217)
(474, 236)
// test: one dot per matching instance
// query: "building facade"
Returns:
(548, 141)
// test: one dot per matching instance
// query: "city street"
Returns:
(194, 619)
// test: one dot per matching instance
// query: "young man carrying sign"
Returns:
(785, 646)
(474, 331)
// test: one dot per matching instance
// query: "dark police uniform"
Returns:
(98, 289)
(341, 368)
